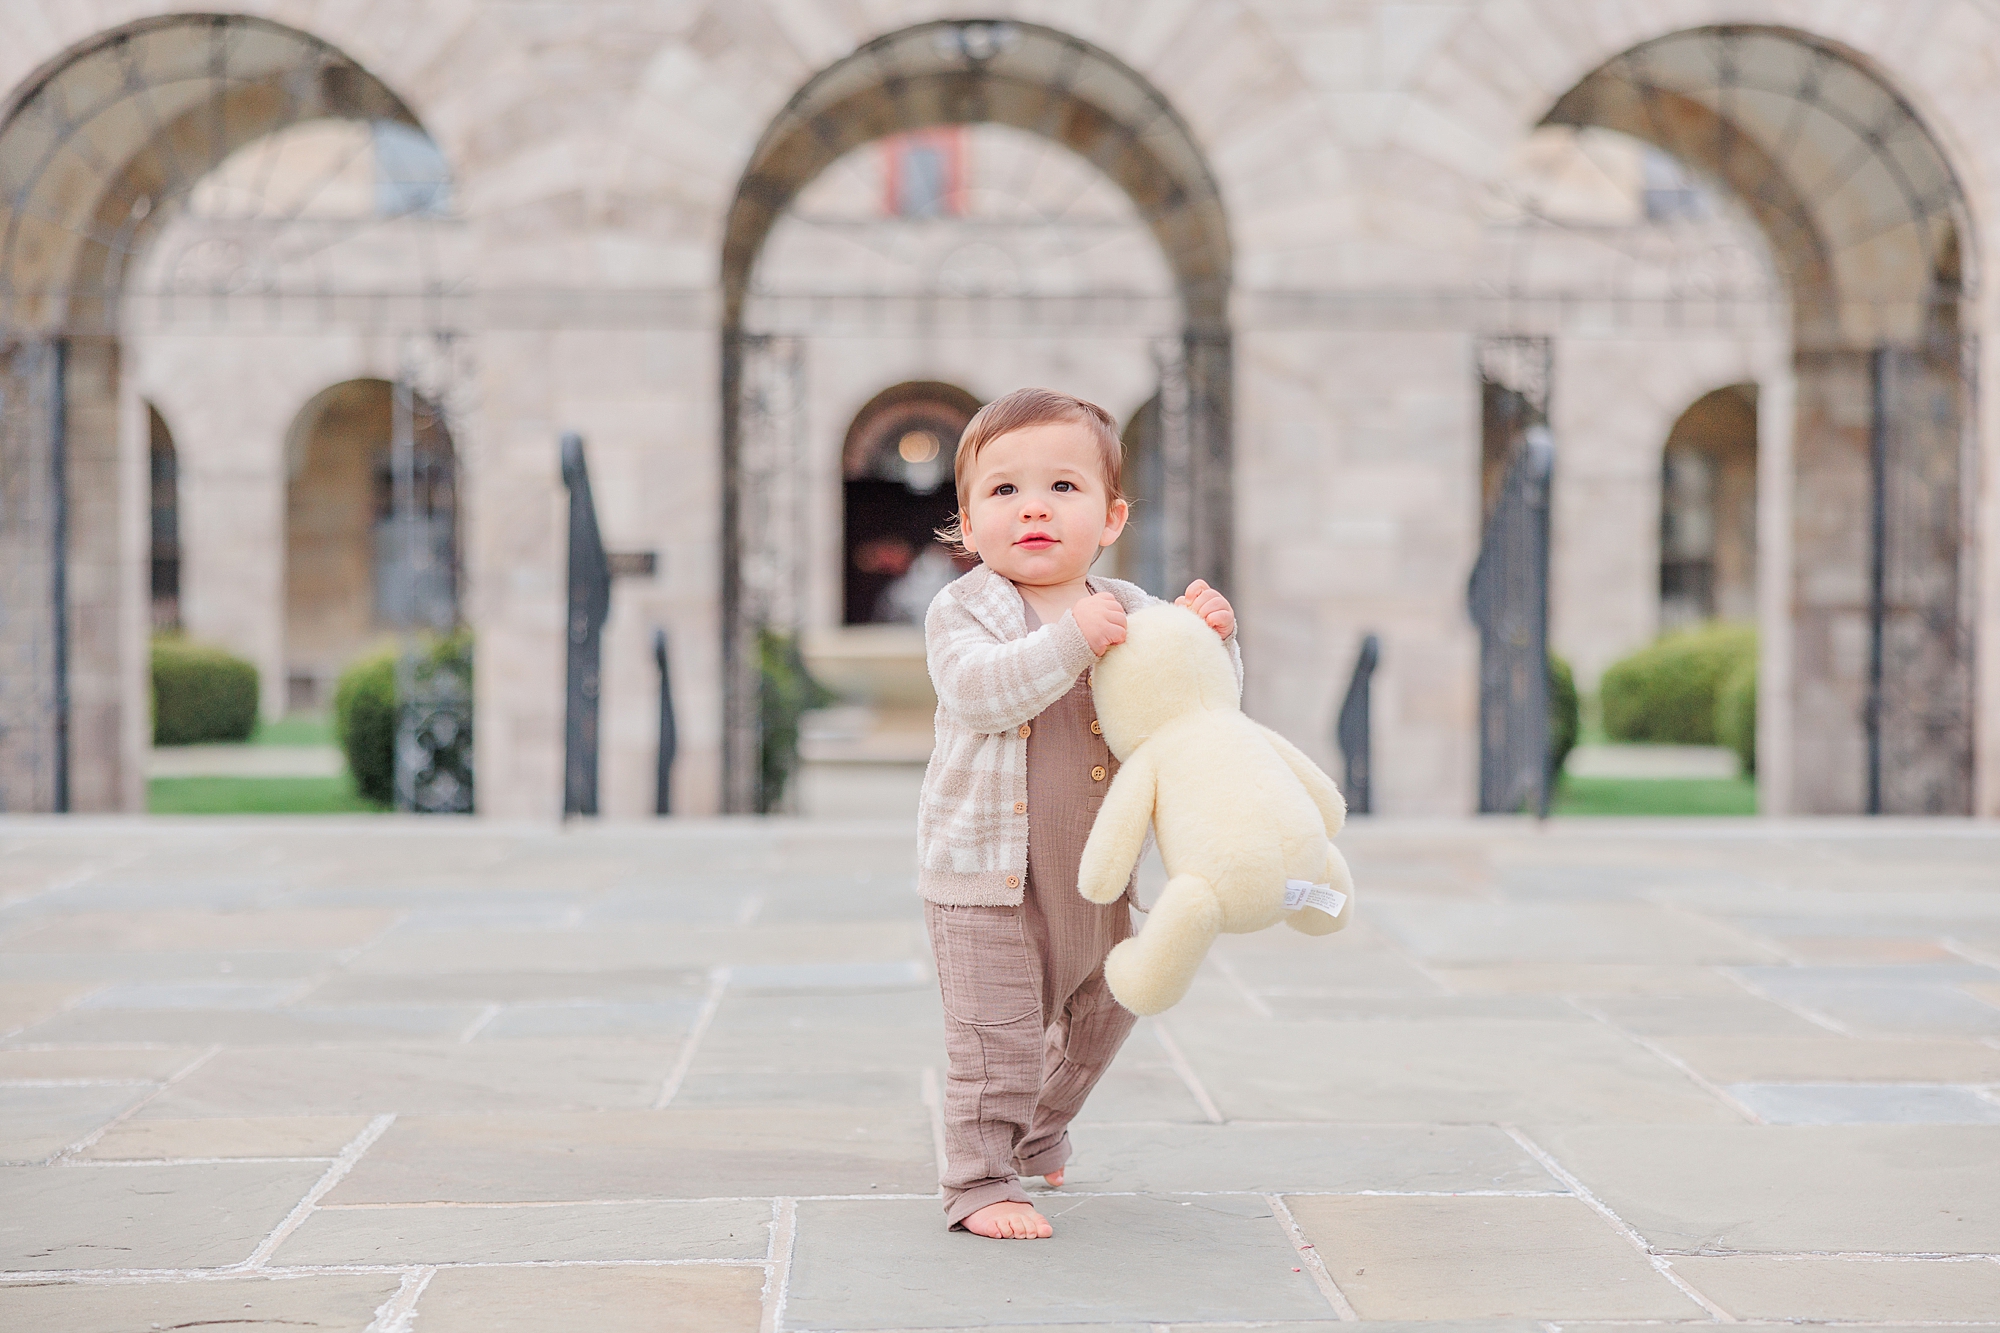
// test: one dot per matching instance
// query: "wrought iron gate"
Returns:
(764, 522)
(1192, 426)
(1509, 592)
(33, 698)
(434, 733)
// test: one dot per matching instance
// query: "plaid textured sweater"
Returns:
(992, 676)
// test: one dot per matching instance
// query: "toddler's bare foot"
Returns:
(1008, 1220)
(1055, 1178)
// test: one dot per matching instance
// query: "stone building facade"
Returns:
(1293, 230)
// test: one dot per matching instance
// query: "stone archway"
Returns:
(1708, 511)
(102, 151)
(1031, 78)
(1868, 226)
(348, 581)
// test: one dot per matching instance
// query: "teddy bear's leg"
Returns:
(1311, 921)
(1152, 970)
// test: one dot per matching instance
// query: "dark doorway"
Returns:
(166, 524)
(1708, 511)
(897, 490)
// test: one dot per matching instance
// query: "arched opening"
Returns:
(1708, 511)
(1141, 554)
(1865, 224)
(896, 491)
(149, 166)
(937, 106)
(352, 575)
(165, 527)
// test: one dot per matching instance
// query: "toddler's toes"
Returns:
(1008, 1221)
(1054, 1178)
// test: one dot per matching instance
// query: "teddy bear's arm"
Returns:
(1332, 808)
(1119, 831)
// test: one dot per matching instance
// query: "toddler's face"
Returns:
(1037, 511)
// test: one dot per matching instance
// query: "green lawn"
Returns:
(1655, 796)
(298, 729)
(255, 796)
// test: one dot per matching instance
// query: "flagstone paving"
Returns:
(425, 1077)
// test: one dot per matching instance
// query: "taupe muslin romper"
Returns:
(1030, 1025)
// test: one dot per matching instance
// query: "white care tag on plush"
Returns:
(1304, 893)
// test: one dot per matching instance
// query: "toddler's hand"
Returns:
(1211, 606)
(1102, 620)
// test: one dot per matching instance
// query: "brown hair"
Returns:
(1021, 410)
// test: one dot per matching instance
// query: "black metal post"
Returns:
(589, 604)
(1352, 730)
(59, 559)
(1878, 564)
(663, 798)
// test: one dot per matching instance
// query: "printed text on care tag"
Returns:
(1304, 893)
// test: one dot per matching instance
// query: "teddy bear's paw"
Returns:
(1145, 992)
(1312, 921)
(1101, 889)
(1312, 918)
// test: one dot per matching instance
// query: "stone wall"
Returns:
(596, 154)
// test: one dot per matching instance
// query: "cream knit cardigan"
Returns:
(992, 678)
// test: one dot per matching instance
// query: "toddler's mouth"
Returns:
(1037, 541)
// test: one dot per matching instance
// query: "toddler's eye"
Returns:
(1004, 488)
(1065, 486)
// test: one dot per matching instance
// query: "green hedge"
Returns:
(1565, 713)
(786, 690)
(201, 693)
(1736, 713)
(1667, 692)
(364, 722)
(365, 712)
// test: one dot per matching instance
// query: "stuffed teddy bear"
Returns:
(1242, 817)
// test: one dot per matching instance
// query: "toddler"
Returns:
(1014, 782)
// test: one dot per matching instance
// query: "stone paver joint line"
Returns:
(1970, 953)
(1187, 1075)
(398, 1313)
(718, 982)
(341, 1165)
(1310, 1260)
(1811, 1016)
(1624, 1228)
(933, 1095)
(486, 1015)
(1251, 998)
(84, 1144)
(1724, 926)
(73, 1003)
(113, 1277)
(778, 1268)
(1660, 1052)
